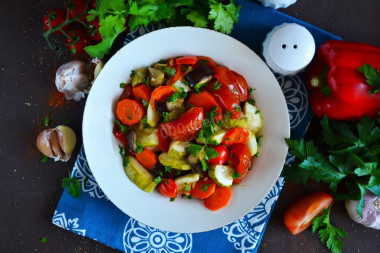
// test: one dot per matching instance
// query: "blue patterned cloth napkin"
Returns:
(94, 216)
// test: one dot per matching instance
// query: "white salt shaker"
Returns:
(275, 4)
(288, 48)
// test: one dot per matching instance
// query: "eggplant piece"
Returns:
(131, 138)
(161, 106)
(156, 77)
(199, 75)
(159, 170)
(198, 168)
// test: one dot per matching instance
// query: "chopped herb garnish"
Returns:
(72, 184)
(147, 81)
(198, 86)
(257, 111)
(145, 103)
(162, 61)
(122, 85)
(210, 153)
(121, 150)
(194, 149)
(251, 90)
(251, 101)
(170, 71)
(66, 121)
(235, 90)
(205, 187)
(144, 120)
(168, 169)
(258, 140)
(47, 121)
(165, 115)
(183, 68)
(237, 108)
(140, 148)
(125, 160)
(235, 174)
(186, 187)
(44, 159)
(122, 128)
(204, 165)
(257, 154)
(188, 197)
(172, 199)
(216, 85)
(132, 74)
(129, 117)
(190, 105)
(157, 180)
(177, 95)
(228, 114)
(43, 240)
(202, 62)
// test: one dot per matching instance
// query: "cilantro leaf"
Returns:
(122, 128)
(328, 234)
(372, 75)
(194, 149)
(72, 184)
(224, 16)
(198, 19)
(176, 95)
(140, 148)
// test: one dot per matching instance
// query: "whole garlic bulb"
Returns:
(371, 211)
(74, 78)
(57, 143)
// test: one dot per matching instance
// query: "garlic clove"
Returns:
(57, 143)
(67, 139)
(43, 143)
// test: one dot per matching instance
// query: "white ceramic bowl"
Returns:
(102, 149)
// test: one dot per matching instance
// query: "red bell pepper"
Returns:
(338, 89)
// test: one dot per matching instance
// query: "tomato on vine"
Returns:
(54, 18)
(78, 41)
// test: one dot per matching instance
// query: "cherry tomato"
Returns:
(79, 42)
(222, 157)
(168, 188)
(187, 126)
(94, 31)
(163, 139)
(301, 213)
(76, 8)
(227, 95)
(240, 159)
(119, 135)
(57, 17)
(242, 86)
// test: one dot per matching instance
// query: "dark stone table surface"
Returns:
(30, 190)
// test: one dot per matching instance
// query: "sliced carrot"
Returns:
(141, 91)
(129, 111)
(160, 93)
(206, 101)
(208, 61)
(188, 60)
(163, 139)
(147, 158)
(218, 199)
(203, 188)
(236, 135)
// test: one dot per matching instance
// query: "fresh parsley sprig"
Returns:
(72, 184)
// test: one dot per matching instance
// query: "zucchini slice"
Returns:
(255, 122)
(177, 149)
(252, 143)
(179, 164)
(221, 175)
(186, 182)
(140, 176)
(147, 137)
(232, 123)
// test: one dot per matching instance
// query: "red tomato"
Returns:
(222, 157)
(79, 42)
(227, 95)
(94, 30)
(168, 188)
(186, 60)
(57, 17)
(76, 8)
(187, 126)
(119, 135)
(203, 188)
(241, 86)
(127, 92)
(163, 139)
(240, 159)
(301, 213)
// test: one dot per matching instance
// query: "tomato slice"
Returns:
(186, 60)
(301, 213)
(227, 95)
(168, 188)
(240, 159)
(222, 157)
(163, 139)
(242, 86)
(187, 126)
